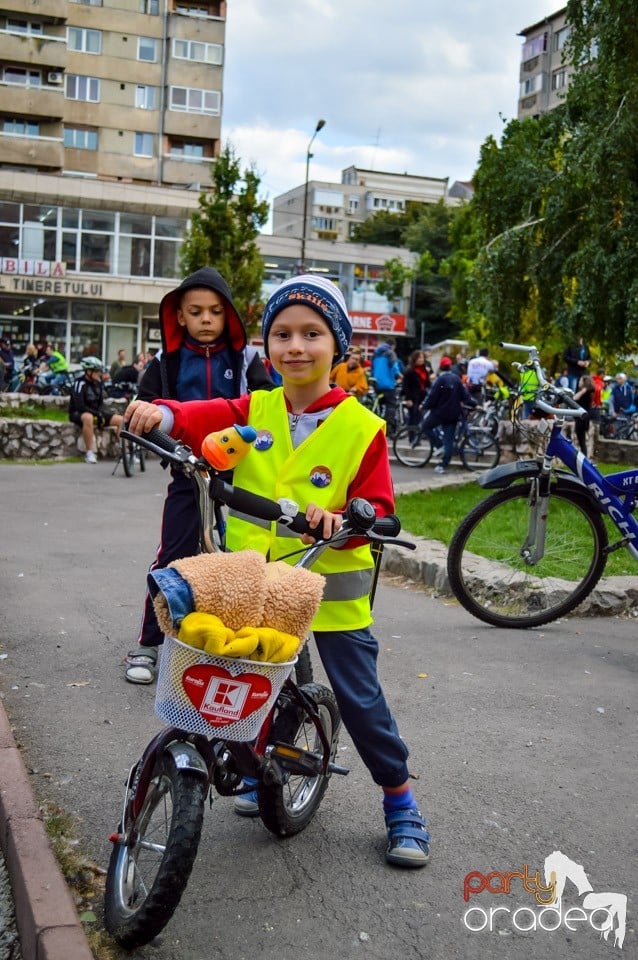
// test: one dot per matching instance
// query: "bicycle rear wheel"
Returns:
(412, 447)
(146, 878)
(479, 450)
(288, 809)
(491, 579)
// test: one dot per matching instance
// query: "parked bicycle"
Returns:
(536, 548)
(290, 754)
(132, 455)
(475, 445)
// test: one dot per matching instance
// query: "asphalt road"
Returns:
(523, 743)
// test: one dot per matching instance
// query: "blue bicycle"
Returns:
(536, 548)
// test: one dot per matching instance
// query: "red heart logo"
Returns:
(221, 698)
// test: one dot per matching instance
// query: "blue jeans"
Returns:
(350, 661)
(436, 431)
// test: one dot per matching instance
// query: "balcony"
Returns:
(192, 126)
(54, 9)
(18, 100)
(29, 51)
(186, 171)
(41, 152)
(196, 28)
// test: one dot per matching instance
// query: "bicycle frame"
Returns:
(614, 494)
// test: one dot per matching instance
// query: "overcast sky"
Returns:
(404, 85)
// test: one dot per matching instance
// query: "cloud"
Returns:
(410, 86)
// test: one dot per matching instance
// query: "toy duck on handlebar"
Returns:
(223, 449)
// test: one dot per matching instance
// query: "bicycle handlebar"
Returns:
(575, 410)
(360, 518)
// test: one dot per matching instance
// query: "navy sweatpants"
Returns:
(350, 661)
(179, 538)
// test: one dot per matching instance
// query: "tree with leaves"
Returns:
(223, 233)
(553, 224)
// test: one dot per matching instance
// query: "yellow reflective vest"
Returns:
(320, 470)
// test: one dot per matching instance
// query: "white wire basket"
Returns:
(216, 696)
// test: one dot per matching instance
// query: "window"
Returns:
(534, 47)
(187, 149)
(143, 145)
(80, 139)
(26, 78)
(198, 9)
(147, 49)
(82, 88)
(560, 38)
(89, 3)
(149, 6)
(22, 128)
(145, 97)
(84, 41)
(24, 26)
(532, 85)
(194, 100)
(200, 52)
(559, 79)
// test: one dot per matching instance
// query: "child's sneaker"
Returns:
(408, 838)
(246, 804)
(89, 457)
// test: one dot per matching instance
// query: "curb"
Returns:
(48, 924)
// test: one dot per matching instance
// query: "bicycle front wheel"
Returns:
(479, 450)
(147, 877)
(489, 576)
(412, 447)
(127, 449)
(288, 809)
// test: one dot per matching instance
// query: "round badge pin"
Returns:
(321, 476)
(264, 440)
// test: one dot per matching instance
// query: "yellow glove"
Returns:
(206, 632)
(275, 646)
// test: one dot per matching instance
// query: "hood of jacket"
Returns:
(173, 334)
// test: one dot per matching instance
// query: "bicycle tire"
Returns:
(127, 450)
(146, 879)
(505, 592)
(479, 451)
(412, 447)
(303, 667)
(288, 809)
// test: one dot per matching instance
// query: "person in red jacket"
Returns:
(300, 454)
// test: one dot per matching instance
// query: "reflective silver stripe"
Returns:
(282, 529)
(254, 520)
(350, 585)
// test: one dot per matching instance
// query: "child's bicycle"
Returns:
(537, 547)
(474, 444)
(288, 747)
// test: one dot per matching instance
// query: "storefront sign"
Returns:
(32, 268)
(363, 322)
(52, 288)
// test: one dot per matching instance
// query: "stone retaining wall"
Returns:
(22, 439)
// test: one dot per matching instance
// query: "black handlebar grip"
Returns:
(265, 509)
(389, 526)
(161, 439)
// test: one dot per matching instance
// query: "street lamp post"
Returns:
(320, 125)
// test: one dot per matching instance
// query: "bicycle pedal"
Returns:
(297, 761)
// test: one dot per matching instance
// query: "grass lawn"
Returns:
(437, 513)
(28, 412)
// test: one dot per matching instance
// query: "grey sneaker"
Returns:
(439, 468)
(89, 457)
(141, 664)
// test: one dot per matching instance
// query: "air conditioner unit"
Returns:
(54, 76)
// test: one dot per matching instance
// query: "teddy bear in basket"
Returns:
(237, 604)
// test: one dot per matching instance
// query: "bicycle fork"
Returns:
(533, 547)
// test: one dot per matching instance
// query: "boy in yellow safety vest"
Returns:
(301, 453)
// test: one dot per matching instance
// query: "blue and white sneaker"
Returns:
(246, 804)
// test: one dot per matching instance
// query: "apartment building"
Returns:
(544, 77)
(333, 210)
(110, 113)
